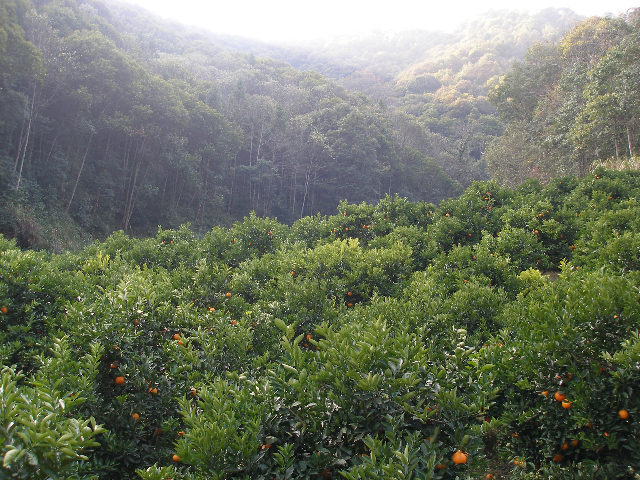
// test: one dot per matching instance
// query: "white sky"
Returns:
(299, 20)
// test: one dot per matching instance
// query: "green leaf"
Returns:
(12, 455)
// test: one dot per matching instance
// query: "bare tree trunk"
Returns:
(53, 144)
(233, 184)
(127, 210)
(26, 141)
(79, 172)
(615, 139)
(304, 195)
(20, 145)
(129, 207)
(629, 140)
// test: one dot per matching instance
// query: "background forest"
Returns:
(116, 119)
(113, 119)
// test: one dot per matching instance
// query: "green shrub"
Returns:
(41, 434)
(571, 337)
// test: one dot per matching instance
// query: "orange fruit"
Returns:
(489, 476)
(193, 392)
(565, 446)
(175, 458)
(233, 322)
(153, 391)
(180, 343)
(176, 336)
(459, 457)
(559, 396)
(228, 294)
(575, 443)
(119, 380)
(566, 404)
(545, 393)
(349, 294)
(4, 309)
(135, 416)
(623, 414)
(558, 457)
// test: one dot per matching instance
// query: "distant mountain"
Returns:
(113, 118)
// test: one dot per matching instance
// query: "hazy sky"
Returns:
(276, 20)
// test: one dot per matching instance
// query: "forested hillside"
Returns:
(571, 103)
(434, 84)
(111, 118)
(494, 337)
(132, 131)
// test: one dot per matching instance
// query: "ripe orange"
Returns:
(559, 396)
(193, 392)
(566, 404)
(176, 336)
(119, 380)
(228, 294)
(4, 309)
(558, 457)
(153, 391)
(349, 294)
(233, 322)
(459, 457)
(175, 458)
(575, 443)
(545, 393)
(349, 304)
(565, 446)
(135, 416)
(180, 343)
(623, 414)
(489, 476)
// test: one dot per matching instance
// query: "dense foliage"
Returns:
(571, 103)
(113, 119)
(396, 340)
